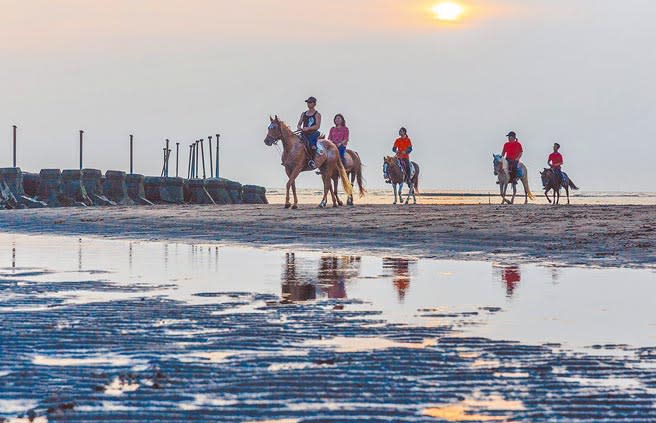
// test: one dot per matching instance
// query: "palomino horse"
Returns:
(397, 177)
(353, 166)
(501, 170)
(295, 158)
(550, 182)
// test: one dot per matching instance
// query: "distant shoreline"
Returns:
(595, 235)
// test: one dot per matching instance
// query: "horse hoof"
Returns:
(294, 207)
(287, 206)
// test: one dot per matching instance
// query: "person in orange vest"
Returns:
(403, 148)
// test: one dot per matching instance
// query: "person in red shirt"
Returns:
(403, 148)
(512, 151)
(555, 161)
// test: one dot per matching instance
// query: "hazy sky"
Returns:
(576, 71)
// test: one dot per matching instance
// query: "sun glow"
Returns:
(450, 12)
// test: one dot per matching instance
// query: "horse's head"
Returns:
(497, 162)
(546, 176)
(388, 159)
(274, 131)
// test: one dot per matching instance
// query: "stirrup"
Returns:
(312, 164)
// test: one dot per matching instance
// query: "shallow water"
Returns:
(576, 307)
(110, 330)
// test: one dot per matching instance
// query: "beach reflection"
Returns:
(399, 269)
(511, 276)
(301, 282)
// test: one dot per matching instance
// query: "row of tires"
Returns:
(89, 187)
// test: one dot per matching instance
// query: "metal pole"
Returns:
(131, 154)
(15, 127)
(211, 162)
(166, 159)
(202, 154)
(81, 147)
(216, 172)
(189, 164)
(193, 160)
(177, 158)
(163, 163)
(197, 158)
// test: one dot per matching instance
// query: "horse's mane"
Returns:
(285, 129)
(504, 164)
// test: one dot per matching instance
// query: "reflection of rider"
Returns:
(403, 148)
(401, 271)
(555, 161)
(511, 276)
(339, 135)
(513, 151)
(309, 125)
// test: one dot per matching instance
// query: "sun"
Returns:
(450, 12)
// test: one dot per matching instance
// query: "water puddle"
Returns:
(577, 307)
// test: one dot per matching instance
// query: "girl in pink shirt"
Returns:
(339, 134)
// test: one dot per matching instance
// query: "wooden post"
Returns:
(81, 147)
(15, 127)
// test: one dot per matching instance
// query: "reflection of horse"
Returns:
(300, 284)
(511, 276)
(295, 158)
(399, 268)
(550, 181)
(503, 179)
(353, 166)
(392, 167)
(334, 271)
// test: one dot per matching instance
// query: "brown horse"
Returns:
(392, 167)
(295, 158)
(353, 166)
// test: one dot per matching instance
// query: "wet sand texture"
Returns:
(574, 235)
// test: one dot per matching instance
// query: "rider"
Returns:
(512, 151)
(339, 135)
(403, 148)
(555, 161)
(309, 125)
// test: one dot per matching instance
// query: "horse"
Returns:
(353, 166)
(550, 182)
(397, 176)
(296, 157)
(502, 172)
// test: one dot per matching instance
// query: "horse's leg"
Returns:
(525, 183)
(288, 186)
(336, 193)
(546, 194)
(349, 200)
(292, 184)
(333, 192)
(514, 186)
(414, 196)
(502, 193)
(567, 192)
(394, 188)
(401, 193)
(326, 189)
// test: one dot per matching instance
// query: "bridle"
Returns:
(270, 140)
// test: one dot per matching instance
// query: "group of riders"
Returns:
(513, 151)
(310, 123)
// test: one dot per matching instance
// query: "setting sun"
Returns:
(448, 11)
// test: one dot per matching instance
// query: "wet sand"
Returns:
(594, 235)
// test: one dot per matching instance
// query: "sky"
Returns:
(577, 72)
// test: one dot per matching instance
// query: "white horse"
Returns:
(502, 171)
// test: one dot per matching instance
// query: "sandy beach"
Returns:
(595, 235)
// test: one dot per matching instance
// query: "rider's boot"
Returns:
(312, 163)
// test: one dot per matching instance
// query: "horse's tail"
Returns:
(528, 189)
(572, 185)
(348, 188)
(416, 181)
(358, 175)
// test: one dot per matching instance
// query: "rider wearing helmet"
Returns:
(512, 151)
(403, 148)
(309, 125)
